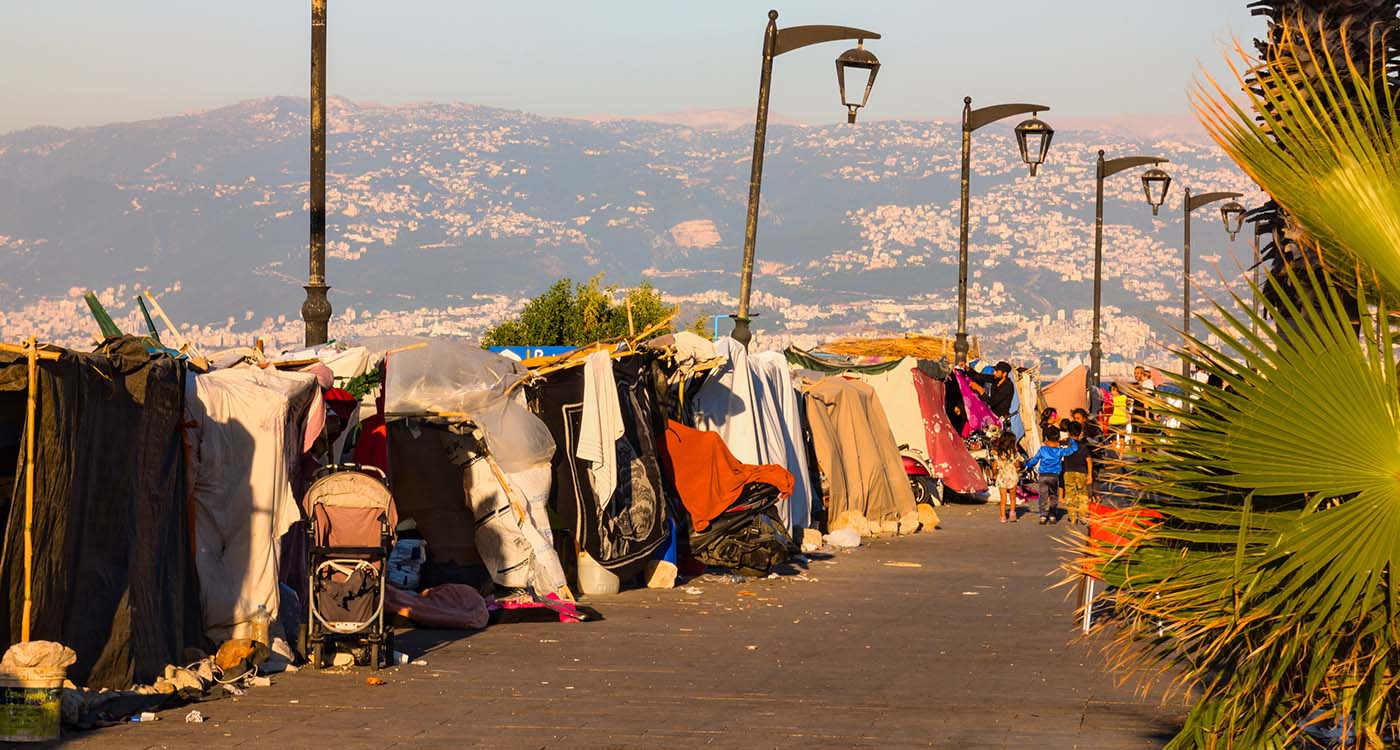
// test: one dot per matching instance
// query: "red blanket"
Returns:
(708, 477)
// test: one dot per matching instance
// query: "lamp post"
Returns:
(775, 42)
(1033, 138)
(1154, 183)
(1232, 214)
(316, 310)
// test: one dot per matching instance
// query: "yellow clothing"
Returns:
(1119, 416)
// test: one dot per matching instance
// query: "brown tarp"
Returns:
(857, 453)
(1068, 393)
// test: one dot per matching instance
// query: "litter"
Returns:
(375, 681)
(260, 682)
(693, 590)
(846, 538)
(903, 565)
(194, 717)
(969, 593)
(420, 663)
(144, 716)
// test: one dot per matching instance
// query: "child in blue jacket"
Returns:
(1049, 463)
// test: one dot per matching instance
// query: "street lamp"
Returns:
(857, 58)
(776, 42)
(316, 310)
(1232, 214)
(1033, 139)
(1150, 179)
(1189, 204)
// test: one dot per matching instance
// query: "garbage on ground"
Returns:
(259, 681)
(811, 540)
(144, 716)
(375, 681)
(343, 659)
(843, 538)
(401, 658)
(419, 662)
(239, 655)
(194, 717)
(903, 565)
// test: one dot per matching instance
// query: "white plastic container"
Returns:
(594, 579)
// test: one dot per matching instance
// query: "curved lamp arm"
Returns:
(1204, 199)
(982, 116)
(1114, 166)
(796, 37)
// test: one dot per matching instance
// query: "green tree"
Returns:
(569, 314)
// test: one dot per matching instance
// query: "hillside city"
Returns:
(445, 219)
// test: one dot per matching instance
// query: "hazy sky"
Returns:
(87, 62)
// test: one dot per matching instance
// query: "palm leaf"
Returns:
(1328, 154)
(1269, 586)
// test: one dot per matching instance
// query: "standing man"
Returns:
(997, 389)
(1145, 388)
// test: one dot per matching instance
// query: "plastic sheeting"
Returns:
(244, 443)
(858, 455)
(441, 376)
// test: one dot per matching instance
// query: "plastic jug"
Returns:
(261, 625)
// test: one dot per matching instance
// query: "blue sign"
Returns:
(530, 352)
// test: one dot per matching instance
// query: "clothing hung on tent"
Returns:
(110, 523)
(948, 456)
(600, 427)
(247, 433)
(858, 455)
(708, 477)
(1028, 399)
(979, 415)
(774, 379)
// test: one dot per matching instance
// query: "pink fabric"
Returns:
(566, 611)
(979, 415)
(452, 606)
(946, 453)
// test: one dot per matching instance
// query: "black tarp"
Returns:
(635, 522)
(112, 571)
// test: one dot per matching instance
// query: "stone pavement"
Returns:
(971, 649)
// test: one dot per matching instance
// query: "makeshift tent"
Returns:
(1068, 393)
(491, 457)
(622, 534)
(112, 576)
(744, 409)
(858, 456)
(947, 454)
(247, 429)
(774, 381)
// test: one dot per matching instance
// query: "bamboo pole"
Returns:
(32, 347)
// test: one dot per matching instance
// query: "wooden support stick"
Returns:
(32, 345)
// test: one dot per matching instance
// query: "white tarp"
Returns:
(775, 381)
(246, 435)
(731, 403)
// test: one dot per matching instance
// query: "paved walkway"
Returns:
(968, 650)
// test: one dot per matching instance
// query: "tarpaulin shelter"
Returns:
(947, 454)
(112, 572)
(858, 455)
(1068, 393)
(622, 531)
(708, 477)
(469, 462)
(247, 430)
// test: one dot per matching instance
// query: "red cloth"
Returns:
(372, 449)
(947, 454)
(708, 477)
(453, 606)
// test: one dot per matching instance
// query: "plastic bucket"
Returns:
(594, 579)
(30, 701)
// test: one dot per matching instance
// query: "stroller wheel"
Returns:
(318, 655)
(376, 654)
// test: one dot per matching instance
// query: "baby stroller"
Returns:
(351, 519)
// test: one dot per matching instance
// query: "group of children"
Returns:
(1068, 467)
